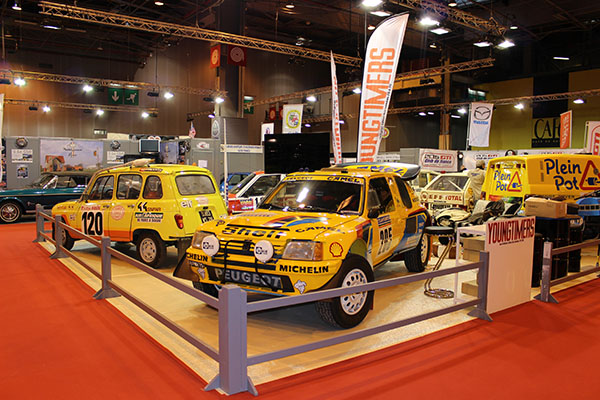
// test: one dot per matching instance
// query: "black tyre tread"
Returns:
(326, 313)
(69, 241)
(412, 258)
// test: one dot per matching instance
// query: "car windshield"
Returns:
(243, 183)
(42, 181)
(316, 196)
(447, 183)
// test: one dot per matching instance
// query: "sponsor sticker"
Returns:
(210, 245)
(301, 286)
(117, 213)
(149, 217)
(336, 249)
(187, 204)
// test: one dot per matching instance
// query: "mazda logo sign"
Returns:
(482, 113)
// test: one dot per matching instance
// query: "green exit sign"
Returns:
(115, 96)
(131, 97)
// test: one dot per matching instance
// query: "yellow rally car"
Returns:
(151, 205)
(316, 230)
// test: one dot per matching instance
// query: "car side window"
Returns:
(235, 179)
(129, 187)
(153, 188)
(380, 195)
(404, 195)
(102, 189)
(262, 185)
(65, 182)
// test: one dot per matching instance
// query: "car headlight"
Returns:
(206, 241)
(303, 250)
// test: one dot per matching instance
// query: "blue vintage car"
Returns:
(49, 189)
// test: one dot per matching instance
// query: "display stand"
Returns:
(509, 243)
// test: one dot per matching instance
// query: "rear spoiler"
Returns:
(407, 172)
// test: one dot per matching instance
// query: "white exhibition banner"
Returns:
(266, 129)
(438, 160)
(510, 245)
(592, 134)
(381, 61)
(480, 121)
(292, 118)
(471, 157)
(336, 135)
(241, 148)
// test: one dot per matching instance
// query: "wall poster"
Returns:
(21, 156)
(70, 155)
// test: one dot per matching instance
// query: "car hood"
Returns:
(20, 192)
(301, 225)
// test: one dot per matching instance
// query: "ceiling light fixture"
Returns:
(506, 44)
(440, 31)
(514, 27)
(433, 45)
(357, 90)
(423, 114)
(561, 58)
(307, 125)
(462, 110)
(290, 5)
(381, 13)
(99, 112)
(159, 3)
(454, 116)
(219, 100)
(16, 6)
(20, 81)
(145, 114)
(428, 21)
(87, 88)
(168, 95)
(482, 43)
(579, 101)
(50, 25)
(46, 109)
(452, 4)
(519, 106)
(342, 122)
(430, 112)
(311, 98)
(211, 115)
(371, 3)
(371, 27)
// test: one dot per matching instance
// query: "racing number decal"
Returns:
(385, 240)
(92, 223)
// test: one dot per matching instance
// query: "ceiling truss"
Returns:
(78, 106)
(147, 25)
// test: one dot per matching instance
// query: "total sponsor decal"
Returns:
(442, 197)
(299, 269)
(565, 175)
(151, 217)
(510, 230)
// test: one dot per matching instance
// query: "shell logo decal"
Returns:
(336, 249)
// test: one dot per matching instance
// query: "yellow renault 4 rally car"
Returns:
(151, 205)
(316, 230)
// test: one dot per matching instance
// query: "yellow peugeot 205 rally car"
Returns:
(316, 230)
(151, 205)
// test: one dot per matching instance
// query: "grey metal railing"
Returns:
(548, 253)
(234, 308)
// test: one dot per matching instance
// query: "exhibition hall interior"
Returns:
(316, 199)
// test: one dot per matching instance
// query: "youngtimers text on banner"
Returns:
(336, 135)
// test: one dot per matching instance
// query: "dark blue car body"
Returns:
(50, 189)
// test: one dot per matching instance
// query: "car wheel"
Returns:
(10, 212)
(207, 288)
(349, 310)
(416, 259)
(151, 249)
(66, 241)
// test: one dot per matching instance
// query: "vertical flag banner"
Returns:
(215, 56)
(593, 137)
(381, 62)
(292, 118)
(192, 132)
(336, 135)
(565, 129)
(236, 55)
(480, 121)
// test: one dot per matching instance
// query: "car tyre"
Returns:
(207, 288)
(349, 310)
(67, 241)
(10, 211)
(416, 259)
(151, 249)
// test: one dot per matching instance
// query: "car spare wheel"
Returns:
(349, 310)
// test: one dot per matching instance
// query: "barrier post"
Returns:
(480, 310)
(106, 291)
(545, 295)
(233, 350)
(39, 225)
(58, 235)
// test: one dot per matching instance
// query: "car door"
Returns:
(388, 224)
(91, 217)
(122, 209)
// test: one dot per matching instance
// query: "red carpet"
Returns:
(57, 342)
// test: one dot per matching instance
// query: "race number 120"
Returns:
(92, 223)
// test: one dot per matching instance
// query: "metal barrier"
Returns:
(549, 252)
(234, 308)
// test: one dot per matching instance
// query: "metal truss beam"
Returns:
(453, 106)
(147, 25)
(454, 15)
(423, 73)
(78, 106)
(80, 80)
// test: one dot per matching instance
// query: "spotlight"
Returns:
(99, 112)
(454, 116)
(46, 109)
(462, 110)
(342, 122)
(50, 25)
(371, 3)
(307, 125)
(428, 21)
(211, 115)
(519, 106)
(579, 101)
(561, 58)
(506, 44)
(433, 45)
(423, 114)
(145, 114)
(371, 27)
(452, 4)
(16, 6)
(311, 98)
(20, 82)
(290, 5)
(514, 27)
(159, 3)
(381, 13)
(430, 112)
(168, 95)
(87, 88)
(440, 31)
(357, 90)
(482, 43)
(219, 100)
